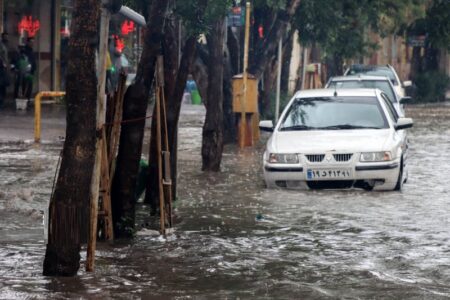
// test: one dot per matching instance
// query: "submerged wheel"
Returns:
(399, 185)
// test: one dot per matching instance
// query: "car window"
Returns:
(370, 84)
(334, 113)
(391, 109)
(375, 71)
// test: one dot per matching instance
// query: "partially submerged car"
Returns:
(372, 82)
(337, 139)
(380, 70)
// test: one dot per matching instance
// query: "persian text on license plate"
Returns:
(324, 174)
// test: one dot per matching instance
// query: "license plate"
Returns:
(324, 174)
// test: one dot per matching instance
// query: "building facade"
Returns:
(48, 22)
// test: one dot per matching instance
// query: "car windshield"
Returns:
(370, 84)
(334, 113)
(375, 71)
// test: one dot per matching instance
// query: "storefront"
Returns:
(48, 22)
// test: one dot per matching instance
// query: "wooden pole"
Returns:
(95, 183)
(159, 90)
(243, 124)
(167, 179)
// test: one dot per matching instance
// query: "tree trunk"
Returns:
(431, 59)
(173, 107)
(68, 211)
(416, 63)
(132, 133)
(200, 72)
(286, 61)
(212, 143)
(270, 76)
(233, 49)
(175, 77)
(335, 65)
(267, 47)
(230, 132)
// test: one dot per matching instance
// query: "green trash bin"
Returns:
(196, 99)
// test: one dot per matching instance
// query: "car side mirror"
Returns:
(405, 100)
(407, 83)
(404, 123)
(266, 125)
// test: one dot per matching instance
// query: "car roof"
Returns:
(362, 67)
(340, 92)
(360, 77)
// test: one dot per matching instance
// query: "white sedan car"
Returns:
(337, 139)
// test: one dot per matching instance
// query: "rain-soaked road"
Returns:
(235, 239)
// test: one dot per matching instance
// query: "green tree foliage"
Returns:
(198, 20)
(340, 27)
(435, 25)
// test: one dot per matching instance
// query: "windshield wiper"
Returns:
(348, 126)
(297, 127)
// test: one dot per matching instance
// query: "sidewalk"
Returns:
(18, 125)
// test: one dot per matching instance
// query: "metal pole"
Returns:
(305, 54)
(101, 110)
(244, 77)
(277, 103)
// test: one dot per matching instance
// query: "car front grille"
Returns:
(342, 157)
(315, 157)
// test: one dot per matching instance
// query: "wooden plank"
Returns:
(106, 199)
(95, 184)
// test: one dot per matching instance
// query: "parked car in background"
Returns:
(372, 82)
(337, 139)
(380, 70)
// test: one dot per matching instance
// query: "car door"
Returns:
(401, 134)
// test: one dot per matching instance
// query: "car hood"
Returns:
(329, 140)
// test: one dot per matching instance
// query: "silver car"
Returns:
(372, 82)
(380, 70)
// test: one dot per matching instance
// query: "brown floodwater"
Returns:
(235, 239)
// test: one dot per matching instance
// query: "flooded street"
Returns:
(234, 238)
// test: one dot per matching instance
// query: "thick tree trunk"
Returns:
(68, 213)
(132, 133)
(212, 144)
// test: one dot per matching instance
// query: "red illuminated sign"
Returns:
(261, 31)
(127, 27)
(119, 43)
(29, 25)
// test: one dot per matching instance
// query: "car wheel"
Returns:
(399, 185)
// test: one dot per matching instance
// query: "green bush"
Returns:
(431, 86)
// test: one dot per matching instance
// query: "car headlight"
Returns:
(283, 158)
(375, 156)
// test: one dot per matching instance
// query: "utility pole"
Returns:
(244, 78)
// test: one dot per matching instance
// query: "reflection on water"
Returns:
(234, 238)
